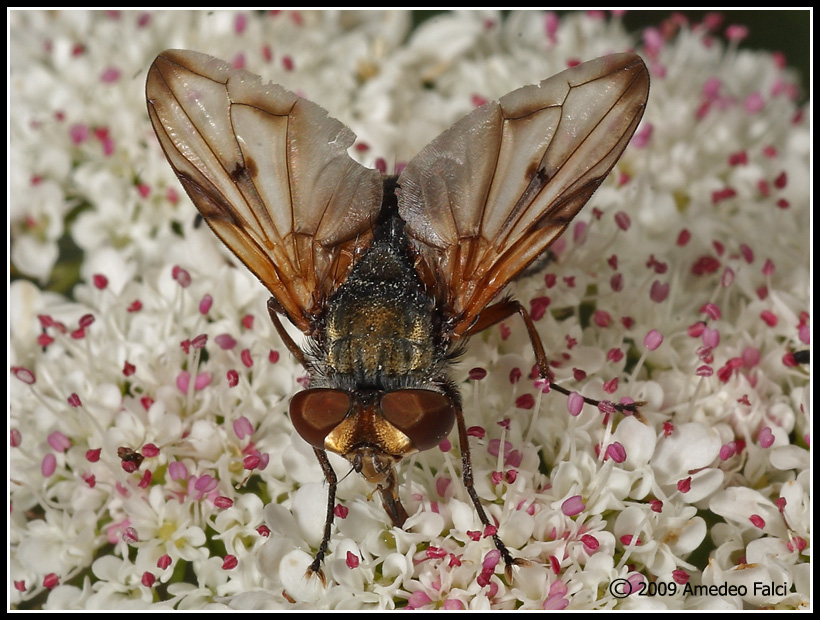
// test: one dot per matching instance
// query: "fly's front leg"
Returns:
(467, 478)
(330, 478)
(330, 475)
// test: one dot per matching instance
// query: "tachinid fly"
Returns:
(388, 276)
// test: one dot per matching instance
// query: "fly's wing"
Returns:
(270, 173)
(491, 193)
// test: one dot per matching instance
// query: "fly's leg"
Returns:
(294, 349)
(467, 478)
(330, 476)
(508, 307)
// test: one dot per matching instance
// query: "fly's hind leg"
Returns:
(508, 307)
(295, 351)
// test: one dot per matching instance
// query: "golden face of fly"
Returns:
(388, 276)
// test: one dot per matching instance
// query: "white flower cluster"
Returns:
(152, 463)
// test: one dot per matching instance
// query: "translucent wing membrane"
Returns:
(491, 193)
(270, 174)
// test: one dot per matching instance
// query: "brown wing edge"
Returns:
(328, 261)
(470, 273)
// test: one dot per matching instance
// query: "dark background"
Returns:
(774, 31)
(771, 30)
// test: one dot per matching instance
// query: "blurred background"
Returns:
(776, 31)
(786, 31)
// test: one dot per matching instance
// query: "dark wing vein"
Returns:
(553, 145)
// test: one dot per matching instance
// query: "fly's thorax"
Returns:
(380, 323)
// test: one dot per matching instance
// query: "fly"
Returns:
(389, 276)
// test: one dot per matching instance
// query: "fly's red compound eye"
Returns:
(316, 412)
(423, 415)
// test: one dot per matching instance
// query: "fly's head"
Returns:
(373, 429)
